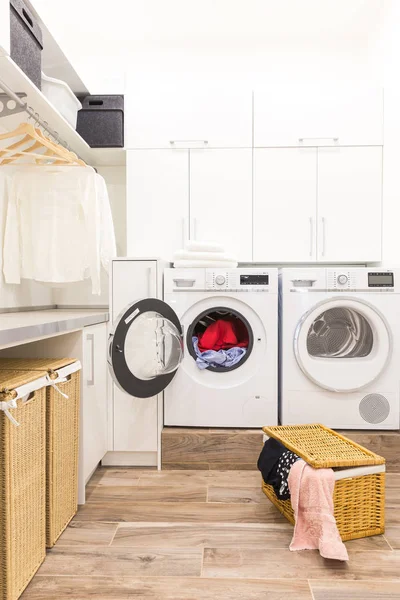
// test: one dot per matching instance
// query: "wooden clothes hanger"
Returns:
(30, 133)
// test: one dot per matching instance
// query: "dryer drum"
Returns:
(340, 333)
(201, 322)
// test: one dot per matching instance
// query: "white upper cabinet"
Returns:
(187, 117)
(157, 202)
(4, 27)
(318, 116)
(221, 199)
(349, 204)
(285, 201)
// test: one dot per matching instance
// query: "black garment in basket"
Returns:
(274, 463)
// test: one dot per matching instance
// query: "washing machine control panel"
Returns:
(240, 280)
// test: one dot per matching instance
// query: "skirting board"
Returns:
(130, 459)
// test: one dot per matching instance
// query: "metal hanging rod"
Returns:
(23, 106)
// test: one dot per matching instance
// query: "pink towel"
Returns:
(311, 494)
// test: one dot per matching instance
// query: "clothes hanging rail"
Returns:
(35, 115)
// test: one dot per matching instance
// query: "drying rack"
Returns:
(21, 106)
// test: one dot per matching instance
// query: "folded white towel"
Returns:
(205, 264)
(186, 255)
(194, 246)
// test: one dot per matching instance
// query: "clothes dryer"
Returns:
(340, 347)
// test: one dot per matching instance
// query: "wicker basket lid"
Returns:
(35, 364)
(321, 447)
(13, 379)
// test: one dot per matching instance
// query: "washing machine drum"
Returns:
(342, 344)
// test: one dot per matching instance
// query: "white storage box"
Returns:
(62, 98)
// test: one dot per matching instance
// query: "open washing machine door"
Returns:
(145, 348)
(343, 344)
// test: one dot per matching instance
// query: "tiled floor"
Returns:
(204, 535)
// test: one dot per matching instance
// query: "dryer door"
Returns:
(145, 348)
(343, 344)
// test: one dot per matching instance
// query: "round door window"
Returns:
(342, 344)
(220, 340)
(145, 348)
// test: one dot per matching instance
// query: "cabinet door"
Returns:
(94, 397)
(318, 116)
(135, 419)
(221, 199)
(285, 194)
(157, 202)
(349, 204)
(189, 116)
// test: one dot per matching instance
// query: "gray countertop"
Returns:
(19, 327)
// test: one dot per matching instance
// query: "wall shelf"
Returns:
(16, 79)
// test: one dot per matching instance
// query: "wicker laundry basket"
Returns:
(22, 479)
(62, 445)
(359, 493)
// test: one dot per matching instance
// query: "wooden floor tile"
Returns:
(182, 493)
(376, 542)
(163, 588)
(228, 535)
(210, 477)
(96, 561)
(283, 564)
(392, 534)
(355, 590)
(194, 512)
(236, 495)
(179, 512)
(112, 476)
(82, 534)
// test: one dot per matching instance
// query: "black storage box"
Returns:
(101, 121)
(26, 41)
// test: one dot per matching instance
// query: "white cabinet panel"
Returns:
(349, 204)
(4, 27)
(94, 396)
(132, 280)
(318, 116)
(285, 196)
(135, 419)
(169, 116)
(157, 202)
(221, 199)
(135, 423)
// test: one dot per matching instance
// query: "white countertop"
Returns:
(17, 327)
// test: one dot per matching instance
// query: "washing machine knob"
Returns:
(220, 279)
(343, 279)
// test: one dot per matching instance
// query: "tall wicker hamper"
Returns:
(359, 493)
(22, 479)
(62, 446)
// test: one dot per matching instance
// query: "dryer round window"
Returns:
(210, 316)
(342, 344)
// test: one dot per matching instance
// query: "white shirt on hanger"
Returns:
(58, 225)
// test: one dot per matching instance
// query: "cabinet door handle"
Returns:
(90, 338)
(327, 137)
(311, 236)
(323, 236)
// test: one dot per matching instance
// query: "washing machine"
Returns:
(151, 348)
(339, 347)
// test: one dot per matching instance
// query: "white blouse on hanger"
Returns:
(59, 226)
